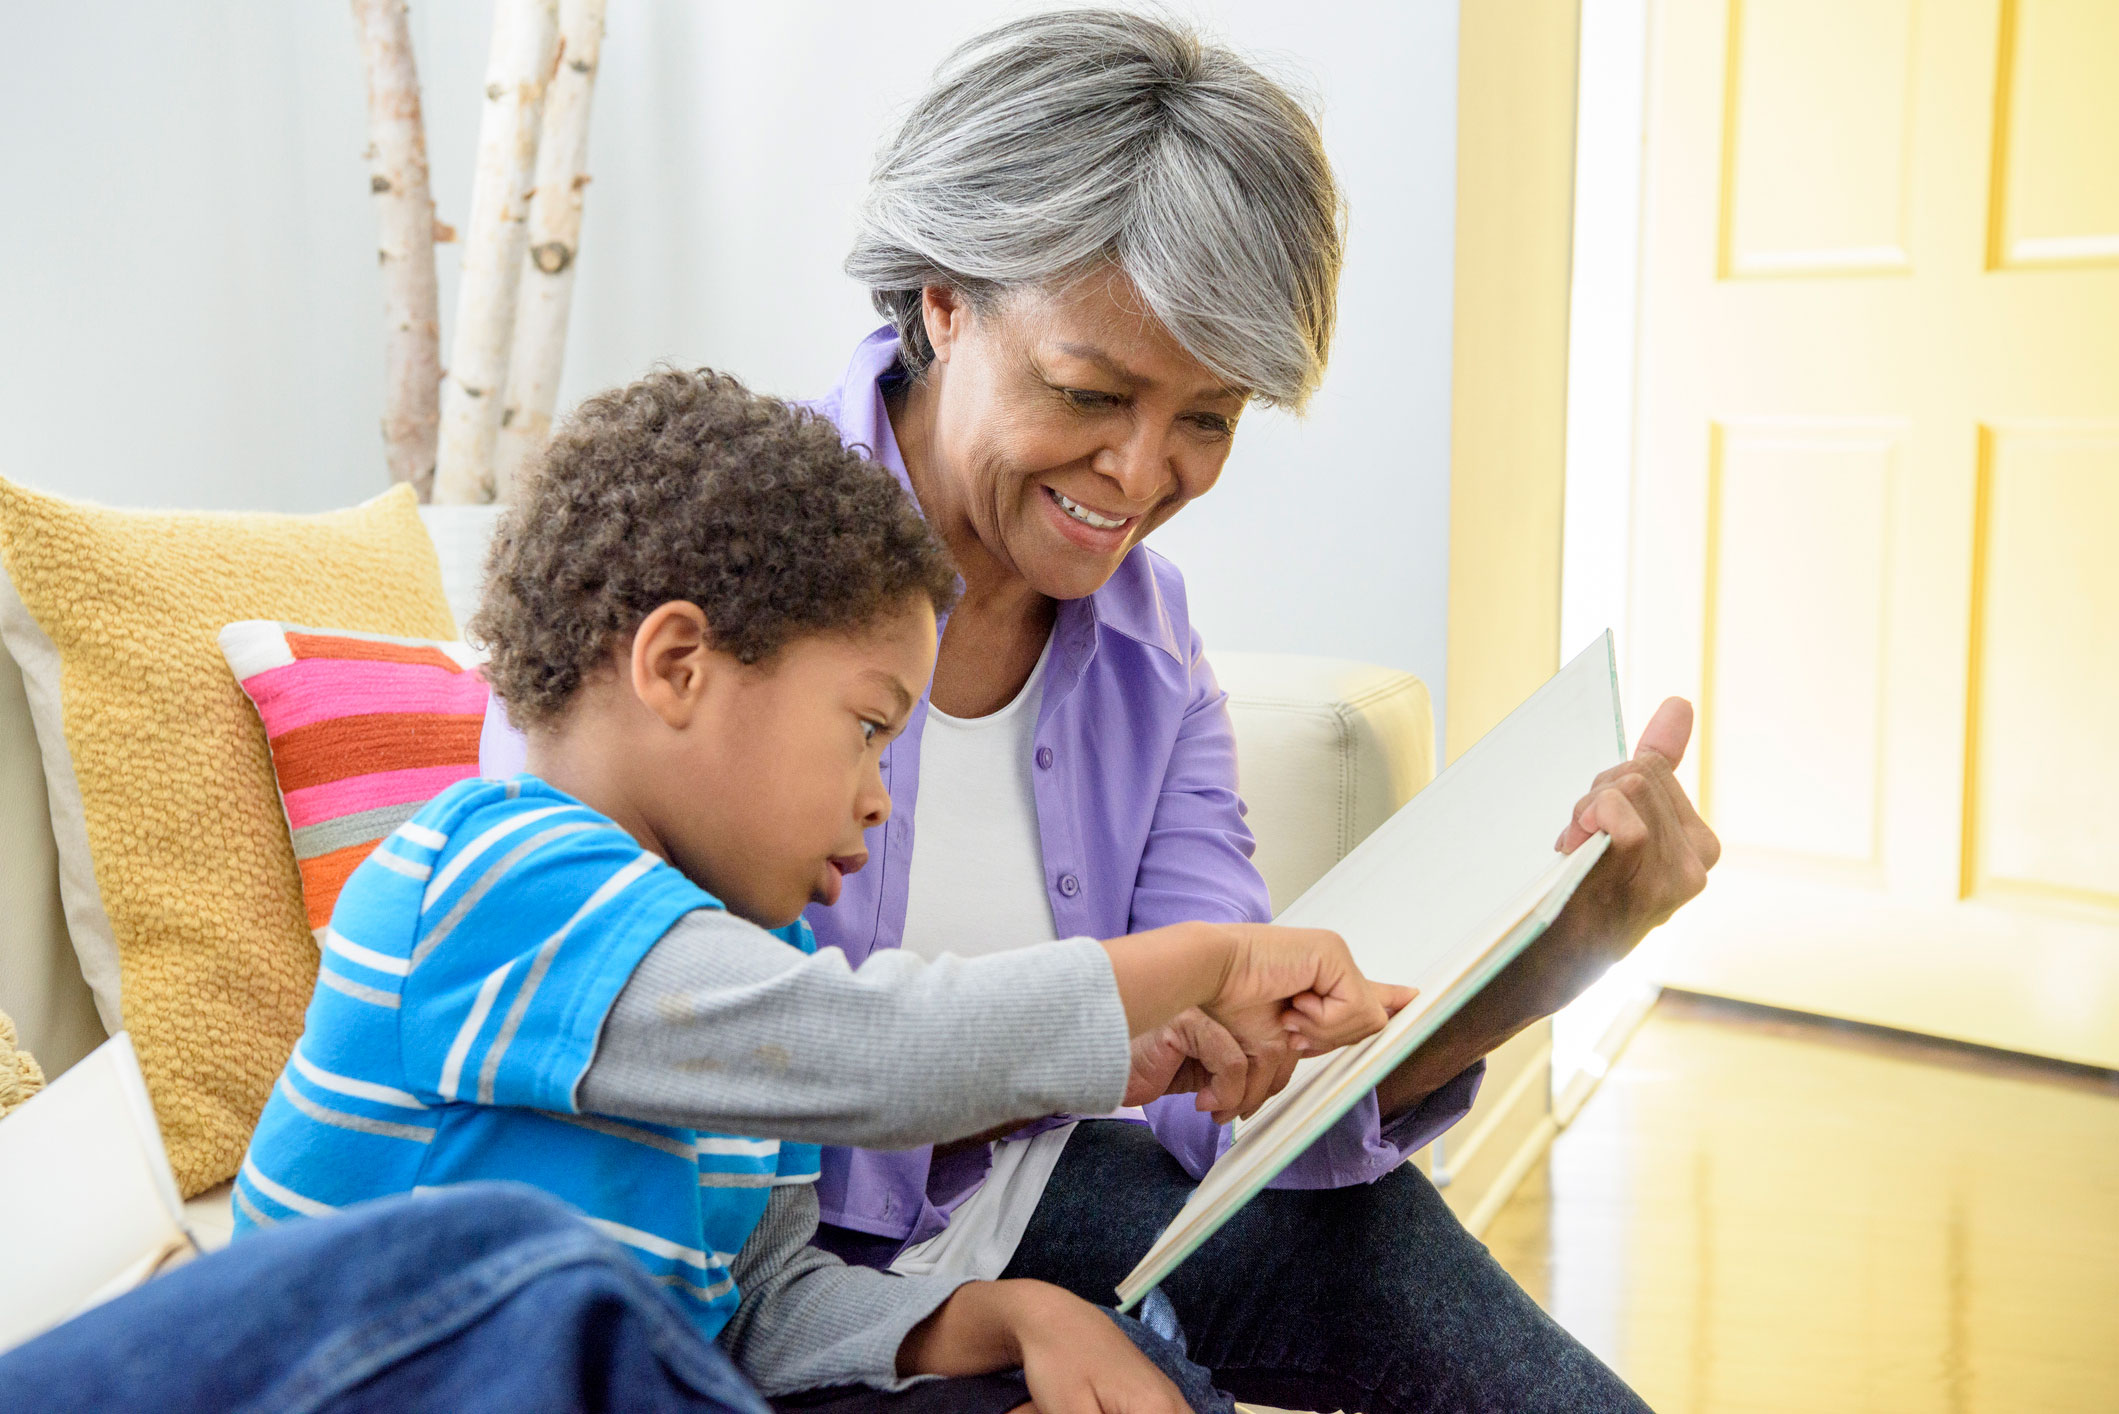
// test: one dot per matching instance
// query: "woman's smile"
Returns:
(1099, 531)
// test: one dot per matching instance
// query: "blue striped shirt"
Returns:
(465, 977)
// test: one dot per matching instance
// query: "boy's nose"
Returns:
(873, 806)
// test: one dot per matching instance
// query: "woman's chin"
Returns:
(1071, 575)
(1059, 566)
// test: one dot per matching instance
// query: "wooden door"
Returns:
(1876, 525)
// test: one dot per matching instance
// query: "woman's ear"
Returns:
(945, 313)
(672, 659)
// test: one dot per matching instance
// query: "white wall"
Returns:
(191, 316)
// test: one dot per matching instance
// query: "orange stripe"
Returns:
(326, 874)
(320, 645)
(344, 747)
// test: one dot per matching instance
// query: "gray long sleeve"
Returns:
(810, 1321)
(724, 1027)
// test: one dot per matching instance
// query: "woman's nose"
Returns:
(1138, 466)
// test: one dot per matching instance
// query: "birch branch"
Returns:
(516, 74)
(404, 208)
(546, 292)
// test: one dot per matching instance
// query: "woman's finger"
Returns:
(1611, 812)
(1668, 732)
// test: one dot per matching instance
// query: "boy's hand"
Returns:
(1298, 987)
(1077, 1361)
(1196, 1053)
(1274, 993)
(1073, 1357)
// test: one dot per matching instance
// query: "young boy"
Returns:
(593, 977)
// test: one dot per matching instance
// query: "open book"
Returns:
(88, 1206)
(1441, 897)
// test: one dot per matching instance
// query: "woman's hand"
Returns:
(1073, 1357)
(1658, 859)
(1660, 849)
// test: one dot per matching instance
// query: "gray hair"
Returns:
(1063, 142)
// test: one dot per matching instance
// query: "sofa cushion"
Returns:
(1326, 750)
(364, 729)
(176, 870)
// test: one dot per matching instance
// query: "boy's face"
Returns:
(761, 788)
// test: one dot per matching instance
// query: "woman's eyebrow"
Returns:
(1091, 354)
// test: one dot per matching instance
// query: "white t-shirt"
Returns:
(978, 886)
(977, 880)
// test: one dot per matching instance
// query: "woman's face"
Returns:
(1066, 426)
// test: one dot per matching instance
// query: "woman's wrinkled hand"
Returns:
(1660, 852)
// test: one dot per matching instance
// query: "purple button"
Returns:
(1069, 885)
(1044, 758)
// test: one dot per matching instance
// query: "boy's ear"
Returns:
(671, 660)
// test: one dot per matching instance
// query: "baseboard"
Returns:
(1502, 1138)
(1583, 1083)
(1529, 1150)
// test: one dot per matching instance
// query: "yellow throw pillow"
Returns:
(177, 872)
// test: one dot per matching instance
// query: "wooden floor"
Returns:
(1758, 1212)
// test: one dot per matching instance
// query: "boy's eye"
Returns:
(869, 730)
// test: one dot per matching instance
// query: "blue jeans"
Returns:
(488, 1297)
(1371, 1299)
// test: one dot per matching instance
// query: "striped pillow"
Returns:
(364, 730)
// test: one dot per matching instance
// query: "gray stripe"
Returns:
(360, 1123)
(493, 876)
(704, 1293)
(359, 991)
(618, 1129)
(605, 892)
(250, 1209)
(512, 1022)
(736, 1180)
(364, 827)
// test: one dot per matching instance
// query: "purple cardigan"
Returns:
(1141, 826)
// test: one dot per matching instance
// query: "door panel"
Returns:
(1877, 500)
(2041, 822)
(1814, 179)
(1798, 561)
(2056, 154)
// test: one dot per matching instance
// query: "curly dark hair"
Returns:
(688, 486)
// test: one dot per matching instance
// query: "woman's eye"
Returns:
(869, 730)
(1089, 398)
(1215, 423)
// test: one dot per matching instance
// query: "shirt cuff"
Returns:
(1360, 1148)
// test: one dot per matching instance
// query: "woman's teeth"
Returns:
(1083, 514)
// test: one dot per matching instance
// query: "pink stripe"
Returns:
(312, 804)
(318, 689)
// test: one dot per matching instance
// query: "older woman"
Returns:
(1098, 240)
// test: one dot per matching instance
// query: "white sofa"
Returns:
(1328, 749)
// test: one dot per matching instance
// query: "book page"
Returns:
(88, 1206)
(1442, 896)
